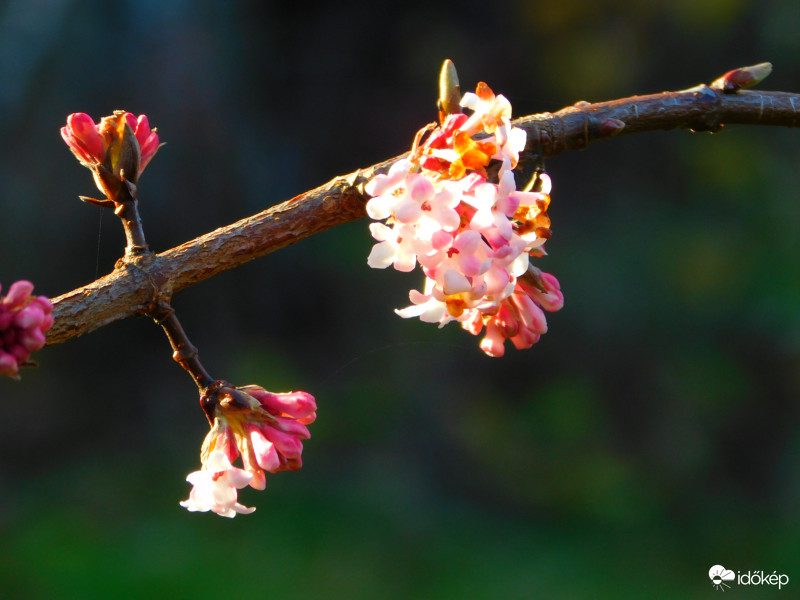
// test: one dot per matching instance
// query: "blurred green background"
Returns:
(651, 434)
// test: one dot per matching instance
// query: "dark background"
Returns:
(651, 434)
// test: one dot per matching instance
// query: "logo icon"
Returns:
(719, 575)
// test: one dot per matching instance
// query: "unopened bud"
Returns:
(745, 77)
(83, 139)
(123, 156)
(449, 91)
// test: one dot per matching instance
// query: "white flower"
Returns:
(386, 189)
(215, 487)
(490, 113)
(398, 246)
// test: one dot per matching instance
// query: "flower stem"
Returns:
(128, 213)
(184, 352)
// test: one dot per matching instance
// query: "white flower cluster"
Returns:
(472, 237)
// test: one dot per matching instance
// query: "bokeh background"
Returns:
(651, 434)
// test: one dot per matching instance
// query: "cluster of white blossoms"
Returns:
(473, 234)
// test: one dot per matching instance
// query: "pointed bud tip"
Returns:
(449, 90)
(742, 78)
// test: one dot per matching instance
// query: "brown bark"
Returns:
(138, 282)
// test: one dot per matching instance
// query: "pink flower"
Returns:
(215, 487)
(117, 148)
(23, 322)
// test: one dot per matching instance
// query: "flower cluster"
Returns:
(24, 319)
(116, 150)
(266, 428)
(453, 207)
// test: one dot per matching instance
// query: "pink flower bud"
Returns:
(147, 138)
(553, 300)
(292, 427)
(525, 339)
(32, 340)
(505, 321)
(8, 365)
(23, 323)
(18, 294)
(250, 463)
(287, 444)
(266, 454)
(529, 312)
(492, 344)
(83, 138)
(29, 316)
(295, 404)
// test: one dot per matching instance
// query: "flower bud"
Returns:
(23, 323)
(123, 155)
(18, 295)
(29, 316)
(116, 149)
(745, 77)
(83, 139)
(449, 91)
(265, 451)
(8, 364)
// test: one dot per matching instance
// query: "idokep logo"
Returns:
(719, 577)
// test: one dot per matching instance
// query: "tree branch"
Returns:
(139, 282)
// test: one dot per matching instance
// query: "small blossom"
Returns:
(215, 487)
(490, 112)
(398, 246)
(24, 320)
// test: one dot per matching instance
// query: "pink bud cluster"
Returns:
(24, 319)
(266, 428)
(472, 233)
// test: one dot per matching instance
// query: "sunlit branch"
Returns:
(139, 281)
